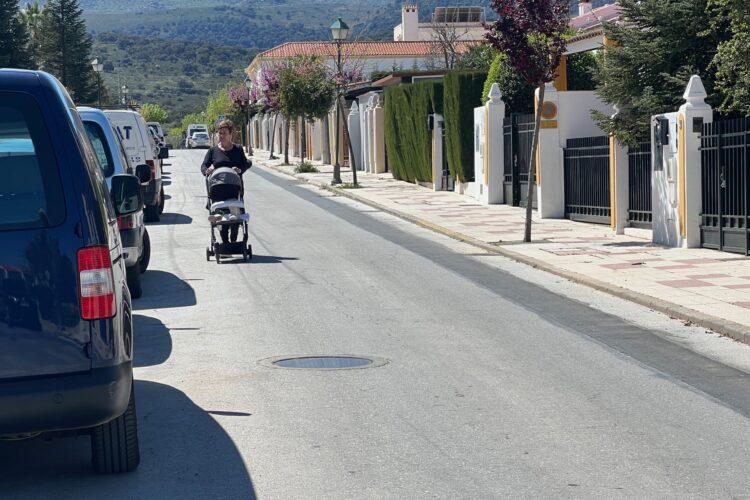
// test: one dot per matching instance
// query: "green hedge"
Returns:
(408, 141)
(462, 93)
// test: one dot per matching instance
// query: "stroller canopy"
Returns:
(224, 183)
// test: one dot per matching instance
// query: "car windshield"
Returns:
(200, 136)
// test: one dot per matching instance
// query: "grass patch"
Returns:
(305, 167)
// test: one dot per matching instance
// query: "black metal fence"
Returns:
(725, 158)
(587, 188)
(518, 133)
(639, 189)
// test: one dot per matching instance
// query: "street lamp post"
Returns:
(124, 91)
(339, 32)
(98, 67)
(248, 85)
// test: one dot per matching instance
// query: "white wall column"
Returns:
(378, 136)
(693, 114)
(550, 182)
(354, 134)
(620, 175)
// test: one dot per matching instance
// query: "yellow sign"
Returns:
(548, 124)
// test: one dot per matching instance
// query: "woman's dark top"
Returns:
(217, 157)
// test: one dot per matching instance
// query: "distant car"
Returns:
(193, 128)
(114, 161)
(67, 353)
(156, 126)
(200, 140)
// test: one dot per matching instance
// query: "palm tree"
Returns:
(32, 18)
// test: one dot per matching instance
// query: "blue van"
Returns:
(66, 332)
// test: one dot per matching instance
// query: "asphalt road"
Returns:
(495, 381)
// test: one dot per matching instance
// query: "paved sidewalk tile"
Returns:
(704, 286)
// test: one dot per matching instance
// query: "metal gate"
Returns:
(446, 181)
(639, 185)
(518, 132)
(725, 157)
(587, 189)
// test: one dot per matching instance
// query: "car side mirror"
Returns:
(143, 173)
(163, 153)
(126, 194)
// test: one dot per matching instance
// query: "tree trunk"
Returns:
(352, 160)
(532, 165)
(287, 124)
(273, 133)
(303, 141)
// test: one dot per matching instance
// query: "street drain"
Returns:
(324, 362)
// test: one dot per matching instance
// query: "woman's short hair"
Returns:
(227, 124)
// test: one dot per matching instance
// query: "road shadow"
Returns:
(164, 290)
(185, 453)
(168, 218)
(269, 259)
(165, 182)
(152, 343)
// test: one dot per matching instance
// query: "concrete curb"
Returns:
(728, 328)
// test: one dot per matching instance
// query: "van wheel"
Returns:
(151, 213)
(161, 200)
(114, 445)
(146, 255)
(134, 280)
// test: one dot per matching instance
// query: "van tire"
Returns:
(161, 201)
(151, 213)
(134, 280)
(146, 254)
(114, 445)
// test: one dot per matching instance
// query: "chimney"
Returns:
(584, 7)
(409, 22)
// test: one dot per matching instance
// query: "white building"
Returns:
(457, 23)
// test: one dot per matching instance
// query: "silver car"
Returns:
(199, 140)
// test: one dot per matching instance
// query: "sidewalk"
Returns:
(705, 287)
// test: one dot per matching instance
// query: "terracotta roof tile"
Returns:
(596, 16)
(356, 49)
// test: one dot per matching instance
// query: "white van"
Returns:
(141, 149)
(192, 128)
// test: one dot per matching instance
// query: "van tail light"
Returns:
(152, 165)
(97, 284)
(126, 222)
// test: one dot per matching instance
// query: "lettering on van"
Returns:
(126, 129)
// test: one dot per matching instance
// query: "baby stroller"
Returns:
(227, 210)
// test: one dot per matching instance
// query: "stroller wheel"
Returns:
(249, 252)
(218, 258)
(208, 253)
(244, 255)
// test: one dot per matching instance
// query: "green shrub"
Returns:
(462, 93)
(305, 167)
(517, 94)
(408, 140)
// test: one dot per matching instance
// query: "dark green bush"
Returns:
(462, 93)
(408, 141)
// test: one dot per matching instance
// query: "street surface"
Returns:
(500, 382)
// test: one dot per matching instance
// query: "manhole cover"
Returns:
(324, 362)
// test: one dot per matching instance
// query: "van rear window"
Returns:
(31, 194)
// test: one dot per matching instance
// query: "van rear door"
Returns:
(41, 329)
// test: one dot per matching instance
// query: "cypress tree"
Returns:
(655, 47)
(65, 49)
(732, 61)
(14, 40)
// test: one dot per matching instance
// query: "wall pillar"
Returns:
(378, 136)
(692, 115)
(494, 153)
(619, 180)
(354, 134)
(550, 182)
(437, 152)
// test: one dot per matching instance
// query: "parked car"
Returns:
(67, 365)
(199, 140)
(114, 161)
(191, 129)
(156, 126)
(139, 145)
